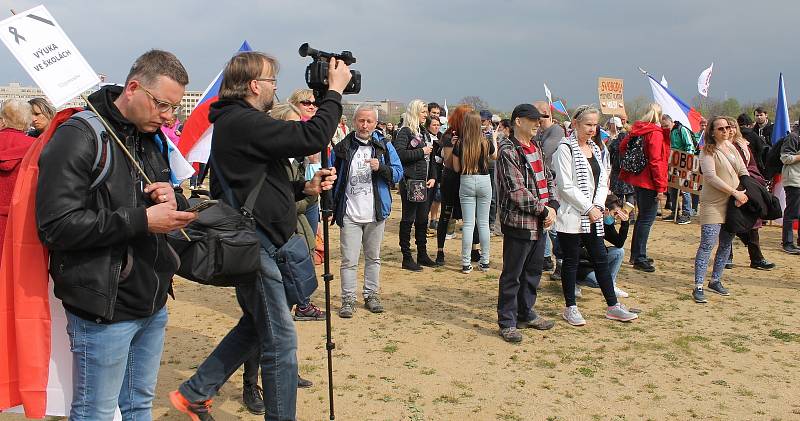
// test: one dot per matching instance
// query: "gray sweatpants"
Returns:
(352, 237)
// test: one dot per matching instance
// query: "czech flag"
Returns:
(674, 106)
(558, 107)
(195, 142)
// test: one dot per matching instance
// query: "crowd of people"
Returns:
(561, 194)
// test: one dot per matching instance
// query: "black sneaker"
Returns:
(466, 269)
(791, 249)
(484, 267)
(684, 220)
(729, 265)
(309, 312)
(303, 383)
(699, 296)
(253, 399)
(547, 266)
(440, 258)
(763, 264)
(644, 266)
(410, 264)
(718, 288)
(476, 256)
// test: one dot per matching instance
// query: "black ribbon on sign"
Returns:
(17, 36)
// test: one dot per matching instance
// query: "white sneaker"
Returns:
(450, 236)
(620, 293)
(620, 313)
(578, 293)
(573, 316)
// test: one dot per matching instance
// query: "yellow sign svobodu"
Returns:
(48, 55)
(684, 172)
(611, 94)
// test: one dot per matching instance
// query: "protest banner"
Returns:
(610, 92)
(684, 172)
(47, 54)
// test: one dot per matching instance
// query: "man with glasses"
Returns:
(109, 258)
(247, 147)
(547, 138)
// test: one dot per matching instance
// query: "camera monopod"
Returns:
(327, 277)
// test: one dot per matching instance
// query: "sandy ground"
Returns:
(435, 353)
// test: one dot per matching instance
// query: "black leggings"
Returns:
(450, 184)
(598, 255)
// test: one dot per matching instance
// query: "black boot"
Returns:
(440, 258)
(424, 260)
(405, 247)
(253, 399)
(476, 255)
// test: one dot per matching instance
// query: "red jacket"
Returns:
(13, 146)
(656, 149)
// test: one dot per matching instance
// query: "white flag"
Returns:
(664, 81)
(704, 81)
(547, 93)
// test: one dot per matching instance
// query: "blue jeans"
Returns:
(476, 198)
(493, 205)
(686, 201)
(711, 234)
(615, 256)
(312, 214)
(115, 364)
(648, 207)
(266, 325)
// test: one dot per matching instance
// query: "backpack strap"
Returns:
(103, 156)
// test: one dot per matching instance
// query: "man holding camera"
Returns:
(247, 146)
(109, 258)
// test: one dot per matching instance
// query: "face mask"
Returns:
(608, 220)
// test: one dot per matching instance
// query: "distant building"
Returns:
(387, 109)
(15, 90)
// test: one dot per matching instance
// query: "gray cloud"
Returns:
(502, 50)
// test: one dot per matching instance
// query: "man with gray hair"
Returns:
(367, 165)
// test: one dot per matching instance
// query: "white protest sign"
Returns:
(48, 55)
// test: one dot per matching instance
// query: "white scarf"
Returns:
(583, 173)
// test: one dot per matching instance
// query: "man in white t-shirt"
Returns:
(367, 165)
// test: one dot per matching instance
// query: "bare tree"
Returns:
(476, 102)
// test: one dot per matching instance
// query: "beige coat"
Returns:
(721, 173)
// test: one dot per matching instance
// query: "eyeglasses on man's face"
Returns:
(161, 105)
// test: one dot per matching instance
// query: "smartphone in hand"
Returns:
(202, 206)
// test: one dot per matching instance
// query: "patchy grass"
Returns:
(784, 336)
(683, 342)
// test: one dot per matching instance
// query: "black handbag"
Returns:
(224, 247)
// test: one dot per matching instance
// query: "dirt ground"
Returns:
(435, 353)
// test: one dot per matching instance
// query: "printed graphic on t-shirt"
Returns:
(361, 179)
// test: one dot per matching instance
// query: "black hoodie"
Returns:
(248, 145)
(106, 265)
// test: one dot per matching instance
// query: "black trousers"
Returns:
(450, 184)
(522, 271)
(751, 240)
(416, 214)
(598, 255)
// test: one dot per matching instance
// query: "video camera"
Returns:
(317, 71)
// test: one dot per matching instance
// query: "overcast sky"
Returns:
(500, 50)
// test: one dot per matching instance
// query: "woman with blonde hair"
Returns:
(415, 149)
(650, 183)
(471, 160)
(721, 165)
(581, 168)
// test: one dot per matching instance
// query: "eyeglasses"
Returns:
(307, 103)
(163, 106)
(273, 80)
(724, 128)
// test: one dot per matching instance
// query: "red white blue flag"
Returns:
(674, 106)
(195, 142)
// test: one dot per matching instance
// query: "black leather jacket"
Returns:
(409, 149)
(105, 264)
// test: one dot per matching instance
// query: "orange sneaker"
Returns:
(197, 411)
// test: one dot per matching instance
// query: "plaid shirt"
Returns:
(522, 192)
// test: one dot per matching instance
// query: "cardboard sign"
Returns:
(611, 99)
(47, 54)
(684, 172)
